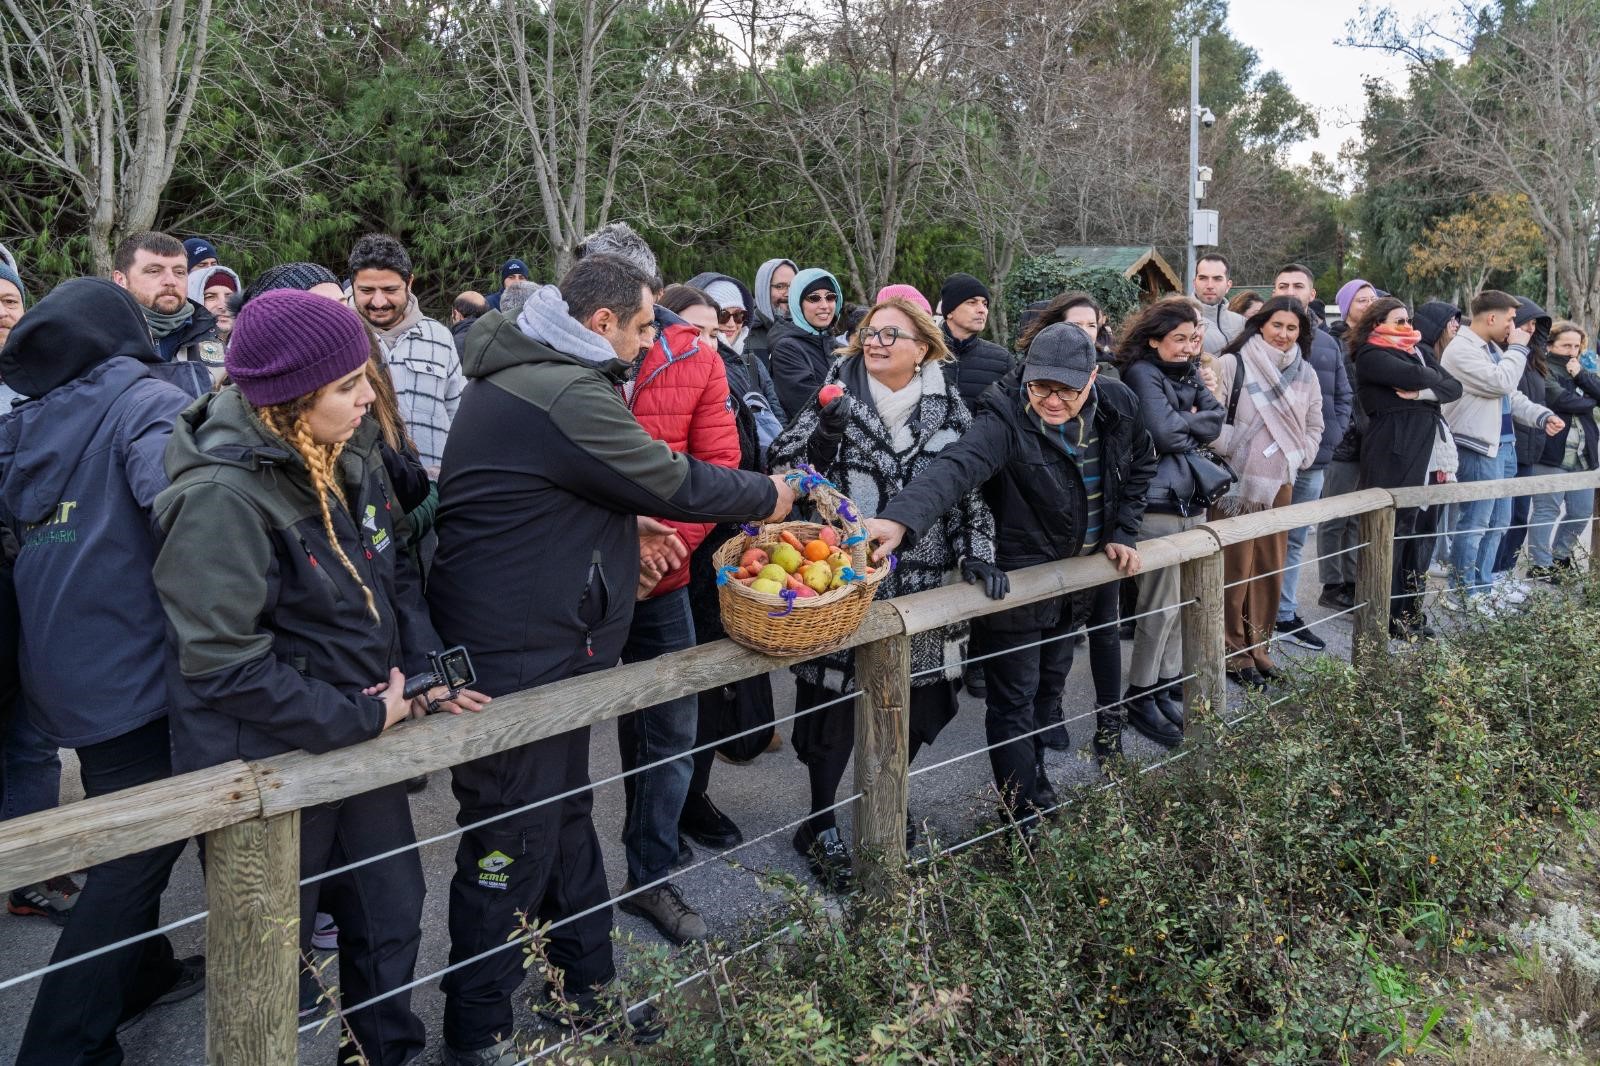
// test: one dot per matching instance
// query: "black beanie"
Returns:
(302, 276)
(817, 284)
(958, 289)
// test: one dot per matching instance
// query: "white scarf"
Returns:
(895, 407)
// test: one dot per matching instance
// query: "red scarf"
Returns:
(1404, 338)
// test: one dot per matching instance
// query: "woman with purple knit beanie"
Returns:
(295, 615)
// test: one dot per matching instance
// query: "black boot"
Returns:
(1044, 794)
(1140, 706)
(1056, 738)
(1169, 699)
(1108, 734)
(972, 681)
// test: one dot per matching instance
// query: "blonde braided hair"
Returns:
(288, 421)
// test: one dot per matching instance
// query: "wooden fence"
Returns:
(249, 812)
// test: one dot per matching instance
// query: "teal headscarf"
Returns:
(797, 288)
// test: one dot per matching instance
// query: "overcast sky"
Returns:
(1297, 39)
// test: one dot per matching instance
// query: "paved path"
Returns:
(761, 797)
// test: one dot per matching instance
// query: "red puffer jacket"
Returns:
(680, 397)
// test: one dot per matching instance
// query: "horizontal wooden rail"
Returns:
(82, 834)
(1467, 491)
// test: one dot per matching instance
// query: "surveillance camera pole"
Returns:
(1194, 151)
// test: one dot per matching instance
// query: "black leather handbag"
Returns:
(1211, 476)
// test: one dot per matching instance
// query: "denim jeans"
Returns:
(1308, 486)
(1505, 556)
(1548, 541)
(655, 797)
(30, 768)
(1474, 541)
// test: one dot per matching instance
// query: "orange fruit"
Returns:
(817, 550)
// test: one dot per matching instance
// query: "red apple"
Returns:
(754, 559)
(829, 393)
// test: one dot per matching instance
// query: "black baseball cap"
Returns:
(1062, 352)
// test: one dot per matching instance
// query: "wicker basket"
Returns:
(790, 625)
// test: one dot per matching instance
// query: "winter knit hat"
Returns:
(1347, 294)
(300, 276)
(513, 266)
(199, 248)
(958, 289)
(907, 293)
(9, 273)
(725, 294)
(287, 344)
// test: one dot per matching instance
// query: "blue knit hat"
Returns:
(199, 248)
(8, 274)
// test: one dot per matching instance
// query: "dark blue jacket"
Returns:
(1338, 399)
(80, 467)
(1180, 414)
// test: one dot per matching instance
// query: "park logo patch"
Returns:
(491, 870)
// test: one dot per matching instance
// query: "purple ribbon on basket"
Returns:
(726, 574)
(788, 596)
(846, 512)
(894, 561)
(750, 529)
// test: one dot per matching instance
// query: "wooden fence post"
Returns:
(1374, 580)
(883, 727)
(252, 942)
(1205, 651)
(1594, 533)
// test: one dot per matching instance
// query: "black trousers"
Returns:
(1412, 556)
(75, 1015)
(1025, 685)
(378, 908)
(544, 862)
(823, 741)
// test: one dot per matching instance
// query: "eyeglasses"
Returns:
(1044, 392)
(887, 336)
(731, 314)
(822, 298)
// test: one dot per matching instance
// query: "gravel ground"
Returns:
(953, 801)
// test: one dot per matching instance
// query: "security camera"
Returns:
(1207, 118)
(1203, 174)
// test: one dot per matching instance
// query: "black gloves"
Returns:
(834, 418)
(994, 580)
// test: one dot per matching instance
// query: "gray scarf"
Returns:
(545, 318)
(164, 325)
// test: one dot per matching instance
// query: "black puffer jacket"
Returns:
(979, 364)
(1180, 414)
(1031, 485)
(799, 359)
(1531, 440)
(1400, 433)
(1574, 400)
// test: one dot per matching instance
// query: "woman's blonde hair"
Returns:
(288, 420)
(1564, 326)
(385, 405)
(923, 329)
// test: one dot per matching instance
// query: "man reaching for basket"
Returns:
(543, 476)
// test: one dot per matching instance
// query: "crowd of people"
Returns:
(239, 516)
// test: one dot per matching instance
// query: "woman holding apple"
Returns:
(895, 411)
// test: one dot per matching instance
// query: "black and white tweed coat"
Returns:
(866, 467)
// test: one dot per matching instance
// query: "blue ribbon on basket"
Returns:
(852, 540)
(726, 574)
(788, 596)
(847, 573)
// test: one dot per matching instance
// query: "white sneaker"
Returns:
(1510, 591)
(1488, 606)
(1439, 570)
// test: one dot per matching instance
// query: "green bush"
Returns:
(1046, 276)
(1242, 905)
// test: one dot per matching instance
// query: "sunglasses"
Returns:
(1044, 392)
(822, 298)
(731, 314)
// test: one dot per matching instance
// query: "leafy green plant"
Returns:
(1046, 276)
